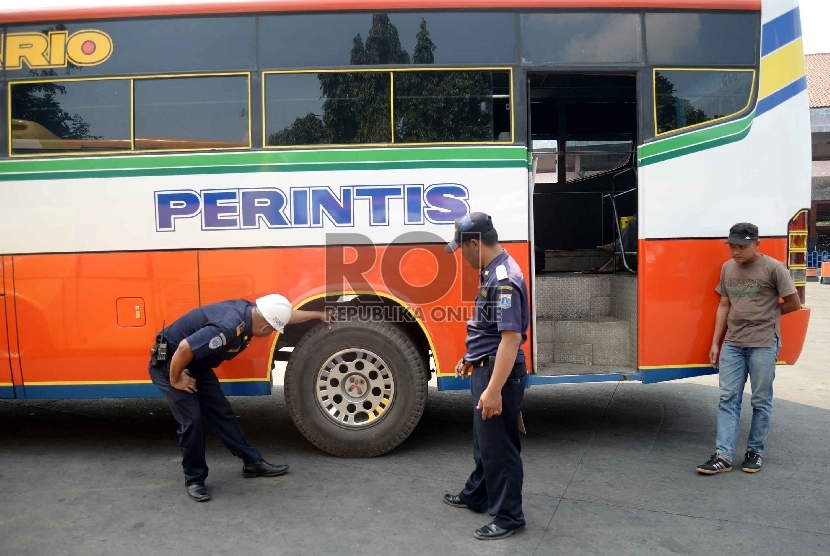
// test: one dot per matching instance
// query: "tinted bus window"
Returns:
(295, 41)
(686, 98)
(192, 113)
(333, 108)
(70, 116)
(452, 106)
(191, 44)
(702, 39)
(580, 38)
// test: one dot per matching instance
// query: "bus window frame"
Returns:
(735, 115)
(132, 79)
(391, 71)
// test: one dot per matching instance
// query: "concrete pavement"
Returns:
(609, 469)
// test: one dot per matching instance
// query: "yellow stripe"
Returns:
(6, 384)
(650, 368)
(781, 68)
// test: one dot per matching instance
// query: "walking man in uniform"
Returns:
(750, 313)
(197, 343)
(497, 364)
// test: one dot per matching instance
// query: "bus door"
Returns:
(582, 134)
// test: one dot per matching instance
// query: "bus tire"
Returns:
(371, 358)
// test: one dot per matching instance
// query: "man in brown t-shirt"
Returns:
(751, 285)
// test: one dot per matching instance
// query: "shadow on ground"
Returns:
(609, 469)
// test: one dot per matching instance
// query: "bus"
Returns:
(163, 156)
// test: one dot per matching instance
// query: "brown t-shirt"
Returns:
(753, 291)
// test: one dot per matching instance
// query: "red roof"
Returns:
(818, 79)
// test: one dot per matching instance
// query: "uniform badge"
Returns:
(483, 292)
(215, 342)
(240, 329)
(506, 301)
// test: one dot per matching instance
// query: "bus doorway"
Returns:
(583, 137)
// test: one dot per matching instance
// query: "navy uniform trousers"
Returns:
(188, 409)
(495, 485)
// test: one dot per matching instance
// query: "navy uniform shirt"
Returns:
(217, 332)
(501, 304)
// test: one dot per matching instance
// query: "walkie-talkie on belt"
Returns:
(158, 353)
(162, 351)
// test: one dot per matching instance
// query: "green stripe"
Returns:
(695, 141)
(188, 163)
(695, 148)
(131, 172)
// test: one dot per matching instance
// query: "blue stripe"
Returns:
(6, 391)
(574, 379)
(780, 96)
(650, 376)
(782, 30)
(453, 383)
(87, 391)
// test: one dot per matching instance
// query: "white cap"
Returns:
(275, 309)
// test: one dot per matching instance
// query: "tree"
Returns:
(430, 106)
(39, 103)
(673, 111)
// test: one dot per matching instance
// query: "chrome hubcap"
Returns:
(354, 388)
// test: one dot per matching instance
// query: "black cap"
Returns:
(473, 223)
(742, 233)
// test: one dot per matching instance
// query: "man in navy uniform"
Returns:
(197, 343)
(497, 364)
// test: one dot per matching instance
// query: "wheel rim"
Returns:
(355, 388)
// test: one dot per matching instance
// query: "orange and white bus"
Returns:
(165, 155)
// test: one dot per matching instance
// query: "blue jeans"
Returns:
(736, 364)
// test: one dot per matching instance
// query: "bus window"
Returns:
(333, 108)
(452, 106)
(687, 38)
(329, 39)
(70, 116)
(584, 159)
(581, 38)
(192, 113)
(687, 98)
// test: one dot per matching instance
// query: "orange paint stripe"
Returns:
(27, 15)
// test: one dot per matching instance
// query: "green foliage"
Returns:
(430, 106)
(40, 103)
(674, 112)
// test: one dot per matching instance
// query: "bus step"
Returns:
(568, 369)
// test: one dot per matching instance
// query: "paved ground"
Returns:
(609, 470)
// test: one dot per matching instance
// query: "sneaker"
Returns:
(752, 462)
(715, 464)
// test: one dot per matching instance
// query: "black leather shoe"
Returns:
(454, 500)
(492, 532)
(198, 492)
(262, 469)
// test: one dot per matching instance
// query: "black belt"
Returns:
(489, 361)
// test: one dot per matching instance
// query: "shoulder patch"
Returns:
(215, 342)
(506, 300)
(506, 288)
(240, 329)
(501, 272)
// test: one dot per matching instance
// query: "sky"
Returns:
(815, 25)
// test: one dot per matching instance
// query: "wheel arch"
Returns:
(417, 331)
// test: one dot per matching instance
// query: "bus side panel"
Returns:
(87, 322)
(678, 302)
(300, 275)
